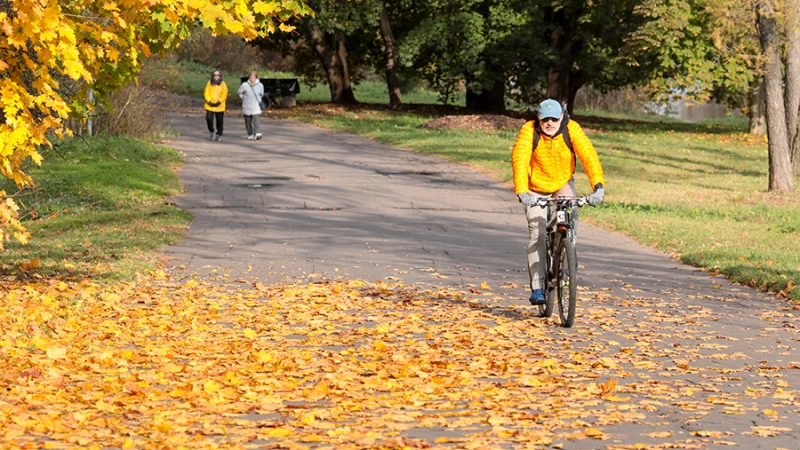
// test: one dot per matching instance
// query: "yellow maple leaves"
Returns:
(335, 363)
(98, 44)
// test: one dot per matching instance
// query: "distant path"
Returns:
(305, 200)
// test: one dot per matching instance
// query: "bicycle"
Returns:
(561, 260)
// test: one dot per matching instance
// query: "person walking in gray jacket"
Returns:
(251, 92)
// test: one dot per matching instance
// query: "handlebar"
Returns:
(565, 201)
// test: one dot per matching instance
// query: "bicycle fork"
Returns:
(558, 229)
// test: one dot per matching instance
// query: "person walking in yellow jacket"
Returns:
(215, 94)
(543, 162)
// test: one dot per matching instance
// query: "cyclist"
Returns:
(543, 161)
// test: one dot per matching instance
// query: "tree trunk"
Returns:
(562, 83)
(557, 84)
(347, 93)
(391, 63)
(780, 170)
(793, 79)
(330, 47)
(576, 82)
(491, 100)
(564, 86)
(796, 151)
(757, 113)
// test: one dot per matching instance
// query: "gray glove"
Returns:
(596, 196)
(527, 199)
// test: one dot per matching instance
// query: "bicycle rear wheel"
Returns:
(566, 282)
(546, 310)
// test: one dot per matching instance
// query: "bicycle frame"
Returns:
(559, 213)
(560, 226)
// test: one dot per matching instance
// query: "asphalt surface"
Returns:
(306, 202)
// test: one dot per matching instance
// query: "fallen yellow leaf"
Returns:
(279, 432)
(57, 352)
(660, 434)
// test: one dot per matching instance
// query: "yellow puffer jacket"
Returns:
(215, 93)
(551, 166)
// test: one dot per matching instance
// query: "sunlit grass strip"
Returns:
(99, 209)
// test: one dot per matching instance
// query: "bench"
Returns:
(285, 88)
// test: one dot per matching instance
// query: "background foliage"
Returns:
(227, 53)
(102, 44)
(698, 49)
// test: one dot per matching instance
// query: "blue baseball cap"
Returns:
(550, 108)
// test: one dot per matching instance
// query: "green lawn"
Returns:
(194, 78)
(374, 92)
(98, 210)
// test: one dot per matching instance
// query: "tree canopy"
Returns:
(493, 48)
(696, 49)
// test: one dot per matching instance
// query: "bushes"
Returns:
(134, 109)
(227, 53)
(133, 112)
(625, 100)
(160, 73)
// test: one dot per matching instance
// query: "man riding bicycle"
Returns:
(543, 161)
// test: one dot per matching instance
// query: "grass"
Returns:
(694, 190)
(195, 76)
(374, 92)
(98, 210)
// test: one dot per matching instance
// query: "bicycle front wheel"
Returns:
(566, 282)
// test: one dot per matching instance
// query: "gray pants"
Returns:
(251, 123)
(537, 227)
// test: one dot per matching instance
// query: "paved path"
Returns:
(305, 201)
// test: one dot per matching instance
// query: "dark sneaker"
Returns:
(212, 134)
(218, 138)
(537, 297)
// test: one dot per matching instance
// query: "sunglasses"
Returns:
(550, 119)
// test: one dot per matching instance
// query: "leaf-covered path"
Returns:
(266, 338)
(347, 364)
